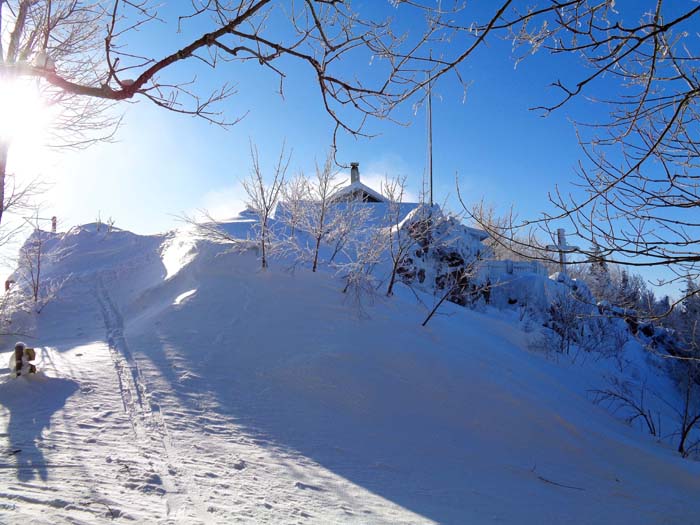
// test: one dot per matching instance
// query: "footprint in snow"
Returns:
(151, 489)
(154, 479)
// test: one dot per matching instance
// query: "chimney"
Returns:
(354, 172)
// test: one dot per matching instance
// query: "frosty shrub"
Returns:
(361, 255)
(566, 312)
(630, 402)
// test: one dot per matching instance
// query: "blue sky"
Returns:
(498, 147)
(165, 164)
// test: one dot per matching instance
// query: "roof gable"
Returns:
(356, 191)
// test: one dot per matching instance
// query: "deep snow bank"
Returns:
(275, 401)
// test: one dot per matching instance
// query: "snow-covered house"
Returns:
(377, 207)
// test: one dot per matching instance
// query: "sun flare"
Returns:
(25, 119)
(24, 115)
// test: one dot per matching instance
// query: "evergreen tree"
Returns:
(629, 292)
(662, 306)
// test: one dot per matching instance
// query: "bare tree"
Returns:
(505, 240)
(7, 308)
(295, 195)
(318, 219)
(349, 221)
(36, 36)
(620, 398)
(631, 402)
(639, 205)
(321, 35)
(399, 240)
(83, 57)
(457, 284)
(33, 257)
(263, 198)
(566, 312)
(686, 324)
(637, 188)
(637, 172)
(689, 414)
(363, 252)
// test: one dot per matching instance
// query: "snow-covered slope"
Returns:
(183, 385)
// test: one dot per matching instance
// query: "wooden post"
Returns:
(19, 352)
(562, 248)
(22, 353)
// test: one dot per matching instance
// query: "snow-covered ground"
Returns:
(180, 384)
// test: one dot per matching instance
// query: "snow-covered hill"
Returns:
(181, 384)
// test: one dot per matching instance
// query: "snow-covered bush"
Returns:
(362, 253)
(566, 310)
(445, 256)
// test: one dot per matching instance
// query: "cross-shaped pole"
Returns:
(562, 248)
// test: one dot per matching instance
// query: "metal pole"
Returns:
(430, 141)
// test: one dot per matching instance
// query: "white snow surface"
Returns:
(181, 384)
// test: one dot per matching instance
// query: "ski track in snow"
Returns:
(246, 477)
(212, 469)
(147, 419)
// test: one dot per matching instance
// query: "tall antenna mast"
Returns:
(430, 140)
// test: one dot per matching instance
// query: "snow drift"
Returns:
(183, 385)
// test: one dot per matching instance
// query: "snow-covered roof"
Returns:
(356, 189)
(479, 234)
(377, 213)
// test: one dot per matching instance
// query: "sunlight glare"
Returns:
(23, 114)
